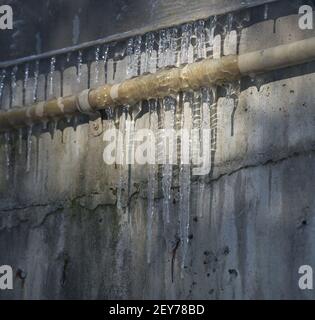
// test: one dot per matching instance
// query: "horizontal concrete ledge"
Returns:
(164, 83)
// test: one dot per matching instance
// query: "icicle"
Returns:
(13, 85)
(79, 67)
(207, 102)
(212, 98)
(129, 145)
(26, 78)
(184, 181)
(133, 56)
(152, 179)
(97, 67)
(196, 124)
(137, 55)
(2, 79)
(168, 60)
(162, 49)
(185, 42)
(51, 76)
(122, 183)
(149, 66)
(174, 47)
(130, 132)
(167, 52)
(7, 154)
(160, 137)
(130, 53)
(36, 75)
(200, 48)
(110, 117)
(29, 147)
(169, 106)
(110, 113)
(210, 36)
(104, 59)
(105, 53)
(170, 45)
(205, 125)
(121, 159)
(266, 11)
(20, 140)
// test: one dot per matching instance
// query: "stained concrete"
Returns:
(251, 228)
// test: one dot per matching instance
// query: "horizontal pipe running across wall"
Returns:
(164, 83)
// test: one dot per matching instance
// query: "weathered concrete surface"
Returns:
(251, 228)
(255, 231)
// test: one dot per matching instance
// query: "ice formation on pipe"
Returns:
(179, 94)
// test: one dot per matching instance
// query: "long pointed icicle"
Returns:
(152, 178)
(120, 156)
(169, 106)
(200, 35)
(104, 60)
(184, 180)
(205, 126)
(210, 30)
(35, 87)
(26, 79)
(79, 69)
(185, 43)
(2, 80)
(7, 154)
(13, 85)
(130, 146)
(149, 61)
(51, 77)
(97, 66)
(29, 148)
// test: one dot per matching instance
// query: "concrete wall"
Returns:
(41, 26)
(251, 228)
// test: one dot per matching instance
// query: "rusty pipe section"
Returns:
(163, 83)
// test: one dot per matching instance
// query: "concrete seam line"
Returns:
(165, 82)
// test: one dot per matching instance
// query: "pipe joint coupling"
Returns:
(83, 103)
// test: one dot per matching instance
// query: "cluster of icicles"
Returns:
(175, 46)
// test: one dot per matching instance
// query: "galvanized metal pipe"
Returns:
(163, 83)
